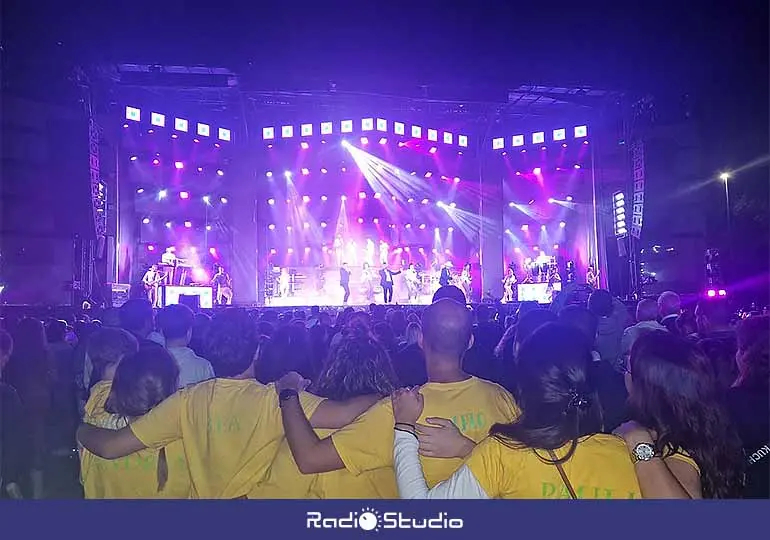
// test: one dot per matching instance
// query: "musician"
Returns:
(446, 274)
(412, 282)
(465, 282)
(345, 282)
(386, 282)
(168, 257)
(367, 282)
(508, 285)
(284, 281)
(592, 277)
(151, 282)
(223, 286)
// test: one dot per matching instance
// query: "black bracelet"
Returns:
(404, 424)
(412, 433)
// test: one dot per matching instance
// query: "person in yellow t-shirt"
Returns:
(358, 366)
(364, 446)
(555, 449)
(141, 381)
(230, 426)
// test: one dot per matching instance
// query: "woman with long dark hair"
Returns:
(555, 449)
(142, 380)
(678, 409)
(358, 366)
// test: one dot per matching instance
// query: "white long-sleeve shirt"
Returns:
(411, 481)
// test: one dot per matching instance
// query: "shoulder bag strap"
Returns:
(563, 474)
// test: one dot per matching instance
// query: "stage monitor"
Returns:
(542, 293)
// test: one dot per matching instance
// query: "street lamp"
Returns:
(725, 178)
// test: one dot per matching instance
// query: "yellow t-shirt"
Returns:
(134, 476)
(473, 405)
(600, 468)
(285, 481)
(230, 429)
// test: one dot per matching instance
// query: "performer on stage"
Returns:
(465, 282)
(151, 282)
(386, 282)
(223, 287)
(592, 277)
(446, 274)
(509, 283)
(412, 279)
(345, 282)
(284, 281)
(367, 282)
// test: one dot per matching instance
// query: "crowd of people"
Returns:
(575, 400)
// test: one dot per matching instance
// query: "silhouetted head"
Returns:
(447, 330)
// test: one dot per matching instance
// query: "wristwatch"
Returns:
(643, 452)
(286, 395)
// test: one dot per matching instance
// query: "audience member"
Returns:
(130, 389)
(14, 441)
(409, 361)
(176, 324)
(747, 402)
(669, 308)
(678, 412)
(451, 292)
(136, 316)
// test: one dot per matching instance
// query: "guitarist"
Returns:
(151, 282)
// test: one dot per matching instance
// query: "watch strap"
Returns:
(287, 394)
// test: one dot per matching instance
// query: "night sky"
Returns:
(716, 52)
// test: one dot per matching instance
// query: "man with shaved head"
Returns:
(669, 308)
(451, 396)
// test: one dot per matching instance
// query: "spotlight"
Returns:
(711, 293)
(436, 229)
(208, 227)
(456, 179)
(542, 227)
(305, 198)
(453, 205)
(305, 171)
(323, 224)
(223, 200)
(425, 201)
(551, 200)
(375, 221)
(162, 194)
(288, 228)
(178, 165)
(304, 145)
(287, 175)
(508, 231)
(511, 204)
(422, 226)
(200, 169)
(150, 247)
(722, 292)
(377, 195)
(408, 226)
(345, 144)
(156, 161)
(428, 174)
(401, 144)
(140, 191)
(220, 172)
(383, 140)
(362, 195)
(324, 198)
(393, 197)
(271, 201)
(306, 225)
(562, 224)
(273, 251)
(168, 224)
(133, 158)
(451, 229)
(360, 220)
(324, 171)
(188, 224)
(269, 174)
(146, 220)
(525, 227)
(344, 198)
(344, 169)
(290, 251)
(410, 200)
(307, 249)
(569, 198)
(184, 195)
(433, 150)
(577, 166)
(271, 227)
(537, 170)
(364, 141)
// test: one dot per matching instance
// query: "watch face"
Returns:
(644, 451)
